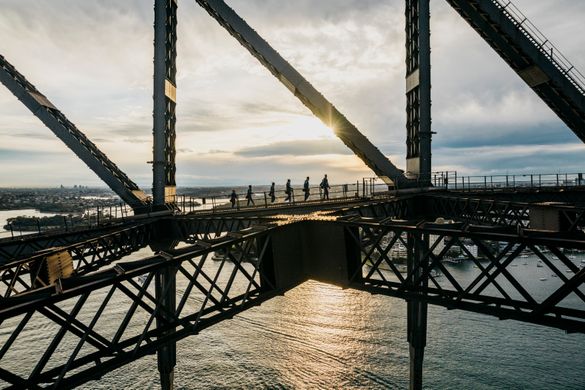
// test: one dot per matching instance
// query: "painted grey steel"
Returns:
(531, 56)
(166, 293)
(165, 70)
(417, 310)
(418, 90)
(267, 260)
(67, 132)
(305, 92)
(163, 168)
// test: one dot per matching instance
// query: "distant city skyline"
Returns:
(237, 125)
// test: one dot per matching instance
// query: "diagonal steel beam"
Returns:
(531, 55)
(67, 132)
(305, 92)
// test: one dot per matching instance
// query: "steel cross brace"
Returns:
(210, 294)
(23, 274)
(513, 300)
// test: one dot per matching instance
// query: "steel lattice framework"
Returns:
(106, 311)
(208, 295)
(25, 274)
(494, 290)
(250, 260)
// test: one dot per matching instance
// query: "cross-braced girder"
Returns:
(497, 288)
(481, 211)
(32, 272)
(243, 274)
(208, 292)
(17, 248)
(193, 228)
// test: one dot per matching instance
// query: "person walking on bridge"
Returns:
(249, 196)
(325, 187)
(233, 198)
(271, 193)
(288, 191)
(306, 189)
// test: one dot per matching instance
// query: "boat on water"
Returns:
(455, 260)
(398, 252)
(218, 256)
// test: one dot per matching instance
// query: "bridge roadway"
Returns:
(391, 244)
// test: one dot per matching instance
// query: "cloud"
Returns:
(97, 68)
(15, 155)
(267, 108)
(486, 134)
(236, 170)
(296, 148)
(43, 136)
(487, 160)
(230, 116)
(138, 140)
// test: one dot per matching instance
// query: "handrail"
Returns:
(542, 43)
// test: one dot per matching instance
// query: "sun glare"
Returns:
(305, 127)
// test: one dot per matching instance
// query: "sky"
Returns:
(236, 124)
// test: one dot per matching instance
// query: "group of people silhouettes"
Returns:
(288, 191)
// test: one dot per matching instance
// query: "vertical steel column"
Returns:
(164, 186)
(165, 291)
(416, 309)
(418, 90)
(165, 95)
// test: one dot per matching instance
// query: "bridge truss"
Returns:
(258, 258)
(399, 244)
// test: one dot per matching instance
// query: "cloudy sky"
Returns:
(236, 124)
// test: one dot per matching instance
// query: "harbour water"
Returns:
(321, 336)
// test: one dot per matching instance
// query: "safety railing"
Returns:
(451, 181)
(546, 47)
(263, 198)
(90, 218)
(100, 216)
